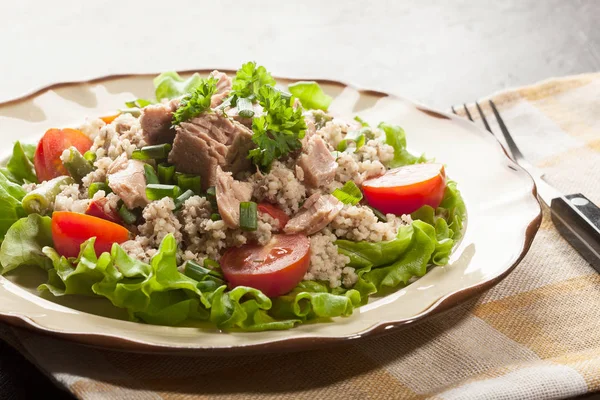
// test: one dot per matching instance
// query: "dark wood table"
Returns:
(438, 52)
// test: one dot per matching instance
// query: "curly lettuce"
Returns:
(310, 95)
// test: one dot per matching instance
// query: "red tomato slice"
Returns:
(47, 154)
(275, 212)
(274, 269)
(97, 209)
(406, 189)
(70, 230)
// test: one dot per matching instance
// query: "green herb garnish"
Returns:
(196, 102)
(279, 131)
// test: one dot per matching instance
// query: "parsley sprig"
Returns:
(195, 103)
(279, 131)
(249, 79)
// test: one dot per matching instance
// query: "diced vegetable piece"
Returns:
(166, 172)
(41, 198)
(70, 230)
(154, 152)
(406, 189)
(128, 216)
(380, 216)
(274, 269)
(47, 160)
(275, 212)
(158, 191)
(90, 156)
(361, 121)
(211, 195)
(200, 273)
(110, 118)
(151, 177)
(215, 217)
(248, 216)
(179, 201)
(190, 182)
(348, 194)
(97, 208)
(77, 165)
(245, 109)
(213, 266)
(96, 187)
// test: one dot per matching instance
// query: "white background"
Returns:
(439, 52)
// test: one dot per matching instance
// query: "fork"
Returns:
(574, 215)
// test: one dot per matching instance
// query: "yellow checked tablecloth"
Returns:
(534, 336)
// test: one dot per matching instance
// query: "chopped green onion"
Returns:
(200, 273)
(380, 216)
(166, 173)
(90, 156)
(348, 194)
(214, 267)
(151, 177)
(190, 182)
(358, 137)
(128, 216)
(134, 112)
(179, 201)
(96, 187)
(157, 191)
(245, 109)
(248, 216)
(361, 121)
(211, 195)
(77, 165)
(215, 217)
(155, 152)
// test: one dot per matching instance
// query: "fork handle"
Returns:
(578, 221)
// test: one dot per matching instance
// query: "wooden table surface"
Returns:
(435, 51)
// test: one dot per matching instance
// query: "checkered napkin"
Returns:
(534, 336)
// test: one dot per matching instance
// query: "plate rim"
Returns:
(443, 304)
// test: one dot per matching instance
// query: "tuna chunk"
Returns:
(230, 193)
(317, 162)
(208, 141)
(316, 213)
(126, 178)
(223, 88)
(156, 122)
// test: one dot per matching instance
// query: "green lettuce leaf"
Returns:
(312, 300)
(24, 242)
(20, 164)
(369, 254)
(395, 137)
(11, 209)
(169, 85)
(412, 263)
(310, 95)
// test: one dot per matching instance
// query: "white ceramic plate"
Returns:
(503, 217)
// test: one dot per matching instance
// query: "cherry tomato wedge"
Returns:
(275, 212)
(274, 269)
(47, 154)
(70, 230)
(406, 189)
(97, 208)
(109, 118)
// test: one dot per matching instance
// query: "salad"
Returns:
(227, 199)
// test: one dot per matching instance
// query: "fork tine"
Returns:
(468, 113)
(514, 149)
(453, 110)
(483, 118)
